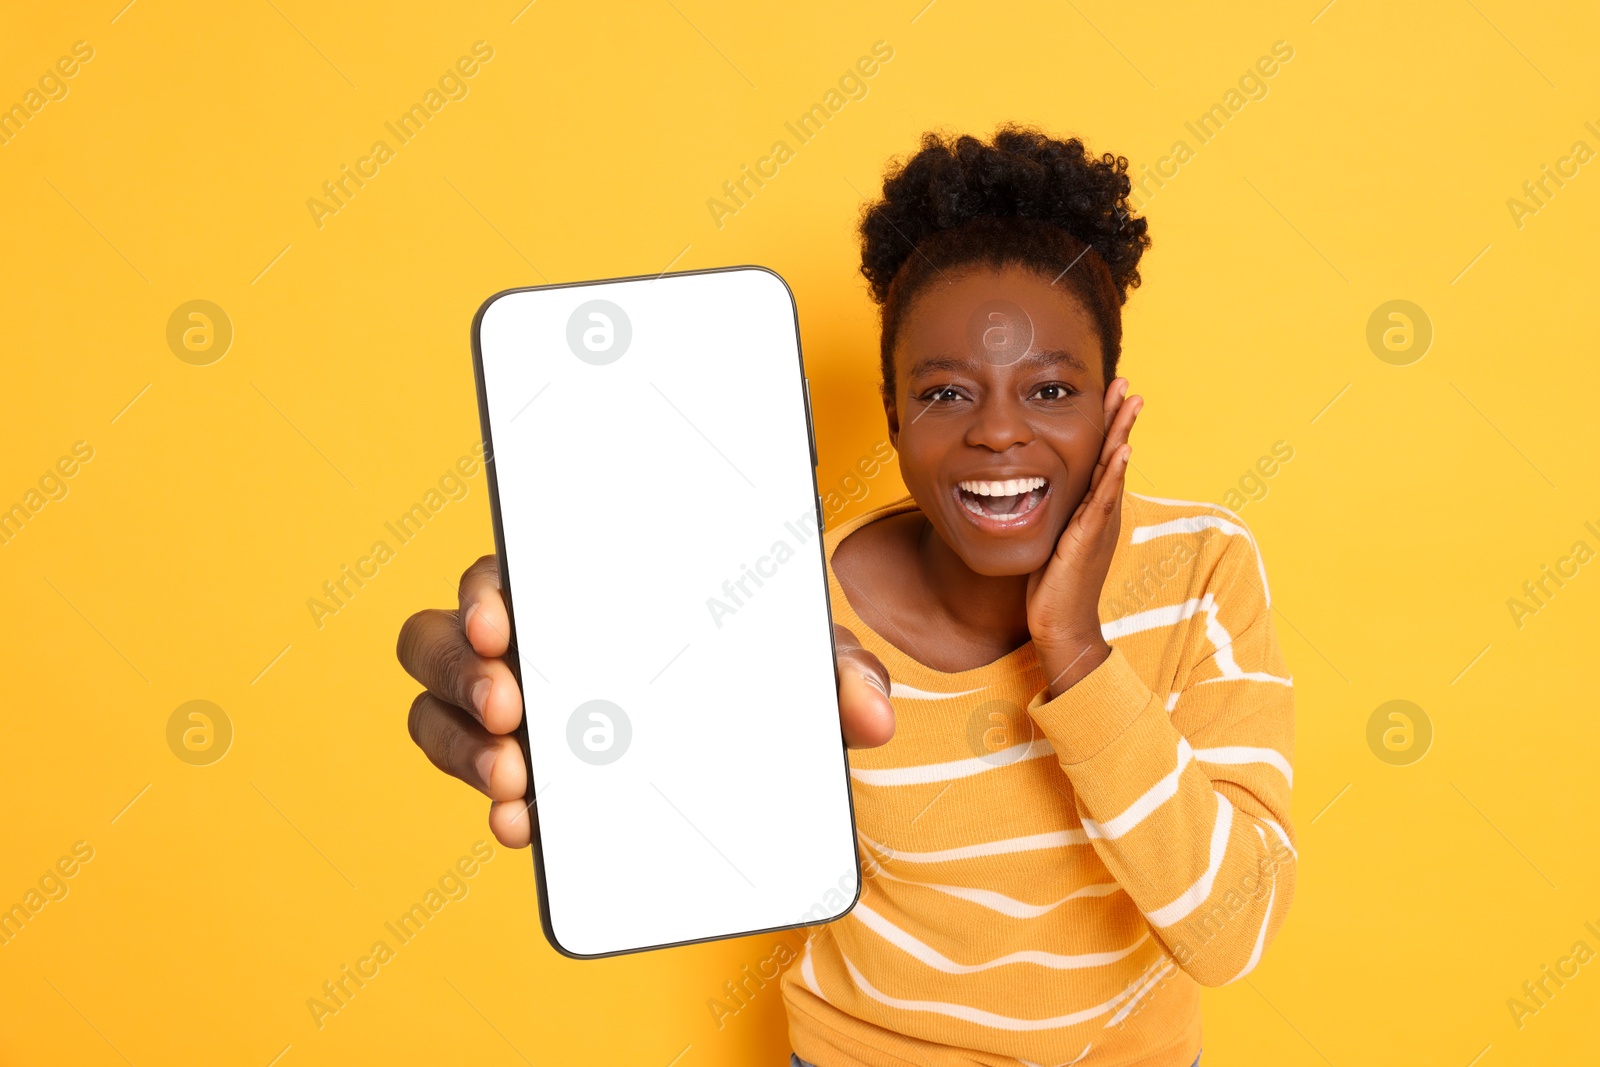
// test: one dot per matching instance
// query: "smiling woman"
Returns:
(1065, 905)
(1019, 926)
(997, 399)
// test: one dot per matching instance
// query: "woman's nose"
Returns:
(998, 424)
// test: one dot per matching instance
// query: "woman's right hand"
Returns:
(466, 718)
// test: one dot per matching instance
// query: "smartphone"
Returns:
(652, 475)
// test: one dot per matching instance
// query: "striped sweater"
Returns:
(1051, 881)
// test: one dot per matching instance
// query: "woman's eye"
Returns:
(943, 393)
(1053, 391)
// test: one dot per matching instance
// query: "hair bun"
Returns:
(1022, 173)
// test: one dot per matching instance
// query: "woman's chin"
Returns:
(1004, 558)
(1003, 549)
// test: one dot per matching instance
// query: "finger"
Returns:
(865, 712)
(1113, 398)
(1108, 497)
(462, 748)
(483, 608)
(1119, 420)
(1116, 437)
(1122, 425)
(1116, 393)
(511, 822)
(1088, 520)
(1099, 470)
(434, 651)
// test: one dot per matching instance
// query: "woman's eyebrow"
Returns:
(1048, 358)
(929, 364)
(1054, 356)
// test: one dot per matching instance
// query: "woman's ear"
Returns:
(891, 415)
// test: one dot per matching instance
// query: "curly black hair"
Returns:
(1024, 198)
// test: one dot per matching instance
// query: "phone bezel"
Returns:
(512, 659)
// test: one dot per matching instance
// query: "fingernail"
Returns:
(485, 764)
(480, 695)
(873, 680)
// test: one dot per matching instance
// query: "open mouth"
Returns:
(1003, 501)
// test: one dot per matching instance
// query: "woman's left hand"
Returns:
(1064, 594)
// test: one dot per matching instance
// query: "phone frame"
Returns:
(513, 658)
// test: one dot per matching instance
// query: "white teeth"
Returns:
(1010, 487)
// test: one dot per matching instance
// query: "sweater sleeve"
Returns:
(1186, 799)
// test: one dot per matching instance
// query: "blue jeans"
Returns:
(796, 1061)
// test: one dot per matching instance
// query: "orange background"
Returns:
(1378, 166)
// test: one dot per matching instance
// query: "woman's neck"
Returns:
(993, 606)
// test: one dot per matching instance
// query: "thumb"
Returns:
(866, 715)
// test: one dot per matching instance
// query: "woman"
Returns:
(1073, 797)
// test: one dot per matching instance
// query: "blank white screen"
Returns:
(630, 492)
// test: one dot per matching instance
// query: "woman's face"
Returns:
(997, 413)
